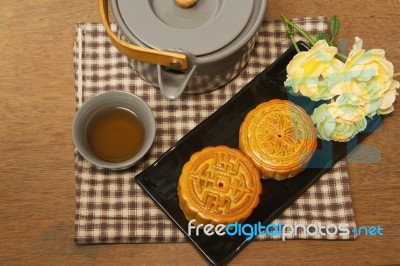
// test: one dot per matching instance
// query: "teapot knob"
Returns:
(185, 3)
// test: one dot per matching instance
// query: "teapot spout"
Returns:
(172, 82)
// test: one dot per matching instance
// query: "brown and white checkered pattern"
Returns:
(112, 208)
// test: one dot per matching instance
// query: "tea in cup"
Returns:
(114, 129)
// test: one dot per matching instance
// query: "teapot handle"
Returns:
(168, 59)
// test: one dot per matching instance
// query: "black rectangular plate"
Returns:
(222, 128)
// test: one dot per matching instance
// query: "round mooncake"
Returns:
(219, 185)
(279, 137)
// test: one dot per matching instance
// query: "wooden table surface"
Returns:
(37, 106)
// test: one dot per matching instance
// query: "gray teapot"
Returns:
(185, 46)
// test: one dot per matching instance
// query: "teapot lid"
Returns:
(201, 29)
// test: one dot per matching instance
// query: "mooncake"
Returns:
(218, 185)
(279, 137)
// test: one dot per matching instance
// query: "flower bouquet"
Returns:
(354, 88)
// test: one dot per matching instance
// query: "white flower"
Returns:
(369, 77)
(388, 97)
(313, 73)
(361, 87)
(339, 120)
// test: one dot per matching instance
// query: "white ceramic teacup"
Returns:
(111, 99)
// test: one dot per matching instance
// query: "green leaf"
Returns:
(335, 26)
(322, 36)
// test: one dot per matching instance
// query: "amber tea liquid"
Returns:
(115, 134)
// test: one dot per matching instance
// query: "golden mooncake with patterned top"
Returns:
(279, 137)
(219, 185)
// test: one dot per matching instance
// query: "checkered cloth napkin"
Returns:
(112, 208)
